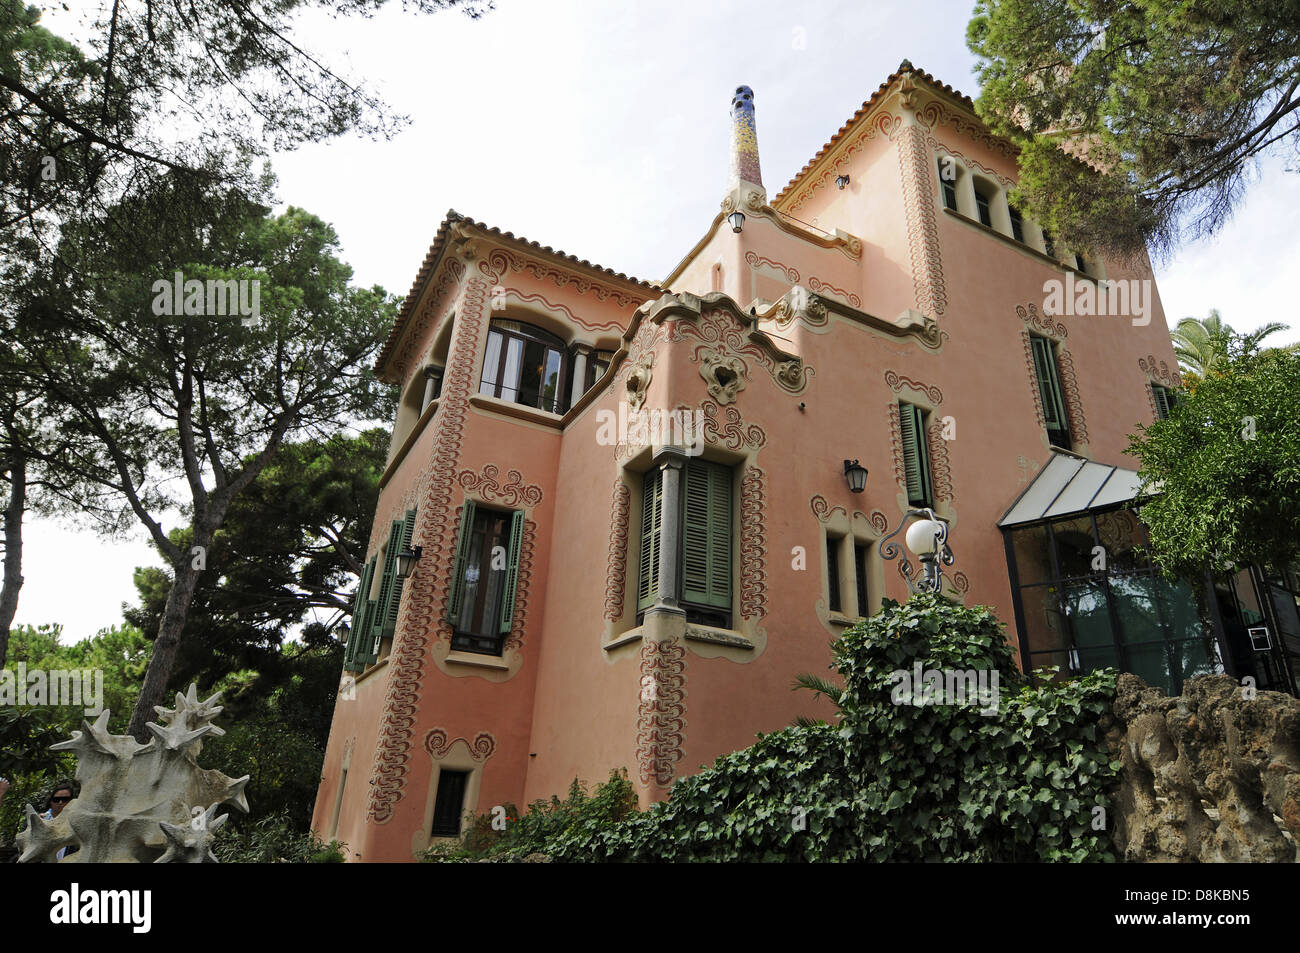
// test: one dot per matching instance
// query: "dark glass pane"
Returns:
(833, 572)
(1087, 608)
(1195, 657)
(861, 552)
(1033, 554)
(1185, 608)
(1044, 625)
(1120, 533)
(982, 203)
(1134, 597)
(531, 373)
(484, 575)
(1074, 543)
(450, 803)
(1150, 662)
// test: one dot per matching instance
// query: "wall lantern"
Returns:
(928, 539)
(737, 220)
(345, 632)
(407, 559)
(841, 181)
(856, 474)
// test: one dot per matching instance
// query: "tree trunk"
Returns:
(170, 629)
(13, 538)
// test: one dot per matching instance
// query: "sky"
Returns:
(602, 129)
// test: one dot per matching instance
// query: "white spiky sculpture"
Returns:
(149, 803)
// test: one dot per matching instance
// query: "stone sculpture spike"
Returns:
(140, 803)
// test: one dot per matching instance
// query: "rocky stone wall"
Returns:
(1210, 775)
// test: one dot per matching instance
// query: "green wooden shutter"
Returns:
(1163, 402)
(647, 590)
(706, 535)
(1049, 384)
(457, 592)
(379, 618)
(916, 455)
(360, 631)
(406, 529)
(512, 573)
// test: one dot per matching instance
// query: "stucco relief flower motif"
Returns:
(723, 373)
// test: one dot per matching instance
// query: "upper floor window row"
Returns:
(984, 200)
(526, 365)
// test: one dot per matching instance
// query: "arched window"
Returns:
(949, 173)
(526, 365)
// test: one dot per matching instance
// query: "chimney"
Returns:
(744, 141)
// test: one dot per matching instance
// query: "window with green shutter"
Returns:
(384, 625)
(706, 536)
(1164, 400)
(485, 575)
(652, 494)
(916, 455)
(360, 631)
(1049, 391)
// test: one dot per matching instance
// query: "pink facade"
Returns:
(791, 343)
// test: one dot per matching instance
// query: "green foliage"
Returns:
(546, 827)
(274, 839)
(32, 788)
(1227, 464)
(892, 781)
(1173, 99)
(1200, 343)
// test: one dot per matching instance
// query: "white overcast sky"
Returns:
(601, 128)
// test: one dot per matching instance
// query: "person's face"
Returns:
(59, 800)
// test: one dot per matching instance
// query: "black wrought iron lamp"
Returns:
(407, 559)
(927, 538)
(856, 474)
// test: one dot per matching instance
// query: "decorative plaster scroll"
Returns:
(961, 582)
(499, 260)
(661, 721)
(616, 560)
(754, 260)
(513, 493)
(724, 374)
(426, 589)
(638, 379)
(823, 287)
(732, 432)
(922, 223)
(796, 305)
(722, 327)
(897, 382)
(940, 471)
(943, 148)
(436, 742)
(1073, 401)
(753, 544)
(1042, 323)
(824, 512)
(1161, 372)
(608, 326)
(934, 113)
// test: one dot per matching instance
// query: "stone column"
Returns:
(432, 374)
(671, 462)
(579, 372)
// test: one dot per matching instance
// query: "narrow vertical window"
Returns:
(1164, 400)
(916, 455)
(450, 803)
(861, 555)
(652, 495)
(948, 182)
(480, 605)
(1049, 244)
(1049, 390)
(706, 540)
(982, 200)
(1017, 226)
(833, 601)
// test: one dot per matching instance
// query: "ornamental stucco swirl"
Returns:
(1073, 399)
(500, 260)
(754, 260)
(513, 493)
(422, 331)
(753, 544)
(426, 588)
(438, 744)
(934, 113)
(1159, 372)
(1041, 322)
(824, 512)
(661, 717)
(500, 291)
(719, 327)
(616, 557)
(940, 471)
(818, 286)
(898, 381)
(941, 147)
(922, 224)
(724, 374)
(731, 431)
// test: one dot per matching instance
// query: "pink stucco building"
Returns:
(591, 597)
